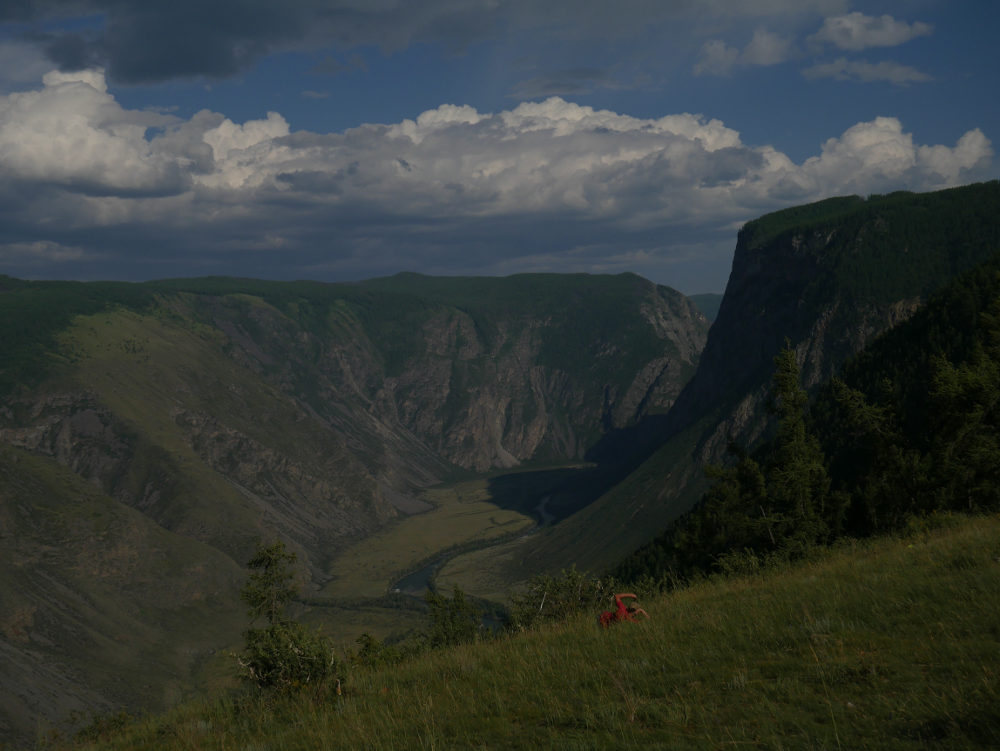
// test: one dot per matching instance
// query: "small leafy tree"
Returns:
(285, 655)
(453, 621)
(375, 653)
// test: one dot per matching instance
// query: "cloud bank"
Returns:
(92, 189)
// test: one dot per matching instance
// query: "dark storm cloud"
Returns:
(142, 41)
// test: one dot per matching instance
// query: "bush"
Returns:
(375, 653)
(287, 656)
(453, 621)
(551, 598)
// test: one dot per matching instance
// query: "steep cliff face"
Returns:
(827, 278)
(486, 396)
(424, 373)
(780, 292)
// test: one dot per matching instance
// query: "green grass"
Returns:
(462, 514)
(883, 644)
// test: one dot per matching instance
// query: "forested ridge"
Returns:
(909, 427)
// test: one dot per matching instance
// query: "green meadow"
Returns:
(883, 644)
(460, 515)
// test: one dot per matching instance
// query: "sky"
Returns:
(338, 140)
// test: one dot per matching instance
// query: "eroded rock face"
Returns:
(305, 496)
(479, 390)
(73, 428)
(319, 420)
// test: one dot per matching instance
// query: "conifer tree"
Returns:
(797, 483)
(269, 587)
(966, 402)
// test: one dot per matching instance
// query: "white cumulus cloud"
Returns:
(543, 185)
(73, 133)
(879, 155)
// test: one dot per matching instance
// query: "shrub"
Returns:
(453, 621)
(375, 653)
(550, 598)
(287, 656)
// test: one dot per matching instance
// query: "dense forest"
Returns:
(909, 427)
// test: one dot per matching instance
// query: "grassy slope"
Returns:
(886, 644)
(83, 624)
(595, 538)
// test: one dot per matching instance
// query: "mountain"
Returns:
(907, 430)
(152, 433)
(828, 278)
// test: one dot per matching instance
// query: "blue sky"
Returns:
(357, 138)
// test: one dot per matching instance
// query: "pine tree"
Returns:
(270, 587)
(797, 482)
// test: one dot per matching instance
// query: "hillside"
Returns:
(198, 416)
(889, 644)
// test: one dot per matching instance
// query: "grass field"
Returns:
(891, 644)
(462, 514)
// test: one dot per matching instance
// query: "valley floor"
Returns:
(881, 644)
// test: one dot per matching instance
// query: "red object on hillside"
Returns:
(622, 611)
